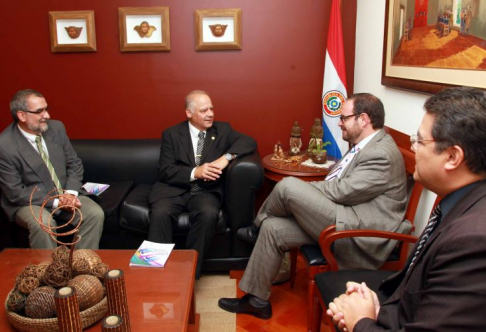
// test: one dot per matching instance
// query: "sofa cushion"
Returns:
(110, 201)
(135, 213)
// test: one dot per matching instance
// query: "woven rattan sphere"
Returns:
(29, 271)
(89, 290)
(81, 266)
(100, 270)
(40, 303)
(27, 284)
(15, 301)
(57, 275)
(61, 254)
(87, 255)
(40, 270)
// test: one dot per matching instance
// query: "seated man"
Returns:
(442, 286)
(365, 190)
(193, 156)
(35, 152)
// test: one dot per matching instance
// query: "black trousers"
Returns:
(203, 214)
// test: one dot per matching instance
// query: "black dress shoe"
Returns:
(248, 234)
(243, 306)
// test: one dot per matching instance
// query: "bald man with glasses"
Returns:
(365, 190)
(35, 152)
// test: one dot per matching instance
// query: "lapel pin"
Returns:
(213, 137)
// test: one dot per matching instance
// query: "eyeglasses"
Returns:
(40, 111)
(343, 118)
(414, 139)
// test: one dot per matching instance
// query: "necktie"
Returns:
(195, 189)
(336, 172)
(44, 157)
(433, 222)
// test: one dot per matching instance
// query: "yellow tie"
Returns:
(51, 169)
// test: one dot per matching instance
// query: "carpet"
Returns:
(209, 289)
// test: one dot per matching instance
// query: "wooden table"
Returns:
(277, 170)
(147, 288)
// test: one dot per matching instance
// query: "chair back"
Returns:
(414, 191)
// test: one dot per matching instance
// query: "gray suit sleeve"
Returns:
(369, 178)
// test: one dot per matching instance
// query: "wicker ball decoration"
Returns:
(80, 266)
(57, 274)
(16, 301)
(26, 285)
(40, 271)
(61, 254)
(100, 270)
(89, 290)
(86, 255)
(29, 271)
(40, 303)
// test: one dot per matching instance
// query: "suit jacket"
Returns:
(445, 289)
(370, 194)
(22, 167)
(177, 157)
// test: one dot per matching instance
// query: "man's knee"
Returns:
(207, 214)
(160, 211)
(286, 184)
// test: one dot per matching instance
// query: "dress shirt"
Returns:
(194, 132)
(31, 139)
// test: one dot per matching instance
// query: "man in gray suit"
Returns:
(365, 190)
(35, 152)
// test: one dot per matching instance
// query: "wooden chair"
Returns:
(325, 293)
(333, 283)
(313, 255)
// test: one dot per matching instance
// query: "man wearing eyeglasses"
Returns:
(442, 286)
(35, 152)
(365, 190)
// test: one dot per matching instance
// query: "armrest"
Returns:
(329, 235)
(244, 176)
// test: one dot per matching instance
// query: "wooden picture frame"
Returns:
(419, 77)
(144, 29)
(72, 31)
(218, 29)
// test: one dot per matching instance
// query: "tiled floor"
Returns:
(427, 48)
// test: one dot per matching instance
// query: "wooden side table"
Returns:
(277, 170)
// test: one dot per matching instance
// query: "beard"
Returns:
(40, 128)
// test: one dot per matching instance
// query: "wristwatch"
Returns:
(229, 156)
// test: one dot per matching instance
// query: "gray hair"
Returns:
(190, 99)
(19, 101)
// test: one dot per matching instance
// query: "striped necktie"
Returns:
(336, 172)
(48, 163)
(434, 220)
(195, 189)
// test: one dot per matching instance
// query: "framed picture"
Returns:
(144, 29)
(72, 31)
(429, 45)
(218, 29)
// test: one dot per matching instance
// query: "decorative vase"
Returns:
(319, 157)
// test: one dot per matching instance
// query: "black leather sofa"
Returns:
(130, 168)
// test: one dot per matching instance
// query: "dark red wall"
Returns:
(275, 79)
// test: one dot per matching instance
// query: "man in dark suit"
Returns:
(35, 152)
(193, 157)
(443, 285)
